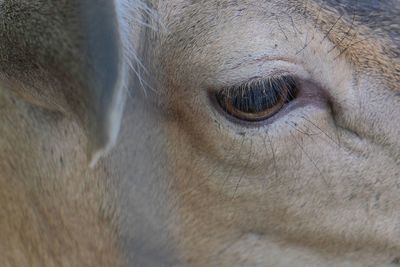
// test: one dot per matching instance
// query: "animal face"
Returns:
(255, 133)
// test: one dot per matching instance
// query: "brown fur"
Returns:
(184, 186)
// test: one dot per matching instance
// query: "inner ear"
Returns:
(67, 56)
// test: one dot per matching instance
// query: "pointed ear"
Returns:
(106, 75)
(67, 56)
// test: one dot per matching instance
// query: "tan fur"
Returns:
(185, 186)
(54, 211)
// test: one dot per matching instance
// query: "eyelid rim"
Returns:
(308, 93)
(286, 86)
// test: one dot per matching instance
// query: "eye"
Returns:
(257, 100)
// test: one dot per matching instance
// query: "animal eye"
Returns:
(257, 100)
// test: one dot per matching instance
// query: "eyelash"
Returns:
(257, 100)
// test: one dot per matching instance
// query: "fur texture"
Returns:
(185, 185)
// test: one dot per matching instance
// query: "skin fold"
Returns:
(185, 184)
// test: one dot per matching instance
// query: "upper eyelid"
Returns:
(286, 79)
(233, 77)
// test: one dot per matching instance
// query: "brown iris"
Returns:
(257, 100)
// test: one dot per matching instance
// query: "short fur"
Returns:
(185, 185)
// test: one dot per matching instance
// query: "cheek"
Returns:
(231, 160)
(275, 178)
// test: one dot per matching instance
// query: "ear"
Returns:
(106, 75)
(67, 56)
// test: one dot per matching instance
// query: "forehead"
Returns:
(379, 18)
(368, 31)
(378, 15)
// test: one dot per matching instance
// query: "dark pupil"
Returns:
(256, 99)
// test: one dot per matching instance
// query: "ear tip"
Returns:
(103, 139)
(94, 156)
(105, 124)
(99, 147)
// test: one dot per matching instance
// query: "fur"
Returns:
(184, 185)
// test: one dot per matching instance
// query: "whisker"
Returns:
(231, 168)
(244, 169)
(280, 28)
(273, 155)
(294, 126)
(306, 44)
(330, 30)
(316, 126)
(295, 29)
(346, 34)
(351, 45)
(311, 160)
